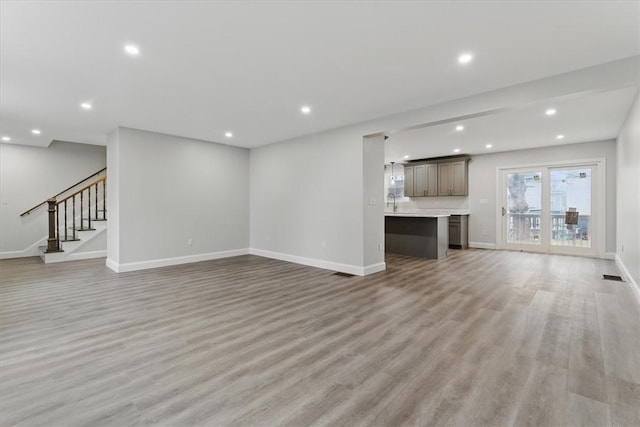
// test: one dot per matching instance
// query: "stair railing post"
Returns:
(104, 199)
(89, 206)
(52, 242)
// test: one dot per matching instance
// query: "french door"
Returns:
(551, 209)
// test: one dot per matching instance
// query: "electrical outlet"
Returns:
(485, 233)
(380, 247)
(189, 241)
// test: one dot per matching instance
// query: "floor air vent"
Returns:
(610, 277)
(341, 274)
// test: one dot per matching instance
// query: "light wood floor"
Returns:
(481, 338)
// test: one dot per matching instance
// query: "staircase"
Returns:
(77, 216)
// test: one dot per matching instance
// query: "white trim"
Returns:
(499, 205)
(86, 255)
(319, 263)
(374, 268)
(155, 263)
(634, 286)
(31, 250)
(610, 255)
(481, 245)
(561, 163)
(112, 265)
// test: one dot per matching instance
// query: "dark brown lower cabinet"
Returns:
(459, 231)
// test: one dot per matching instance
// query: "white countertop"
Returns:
(416, 214)
(426, 213)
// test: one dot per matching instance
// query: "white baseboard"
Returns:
(31, 250)
(609, 255)
(480, 245)
(155, 263)
(86, 255)
(374, 268)
(630, 279)
(112, 265)
(319, 263)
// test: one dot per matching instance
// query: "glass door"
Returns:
(522, 222)
(571, 206)
(550, 209)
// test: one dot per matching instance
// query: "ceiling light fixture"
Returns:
(459, 128)
(406, 156)
(488, 145)
(560, 136)
(228, 134)
(550, 112)
(86, 106)
(465, 58)
(6, 138)
(305, 109)
(456, 150)
(132, 49)
(36, 132)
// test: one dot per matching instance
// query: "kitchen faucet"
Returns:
(395, 207)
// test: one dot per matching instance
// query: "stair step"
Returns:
(69, 240)
(43, 249)
(84, 229)
(94, 219)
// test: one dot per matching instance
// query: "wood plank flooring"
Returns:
(480, 338)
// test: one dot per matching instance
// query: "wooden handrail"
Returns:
(62, 192)
(81, 190)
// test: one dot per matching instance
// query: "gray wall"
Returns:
(113, 199)
(482, 184)
(628, 201)
(373, 206)
(306, 198)
(171, 189)
(30, 175)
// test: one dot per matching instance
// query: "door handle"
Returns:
(504, 211)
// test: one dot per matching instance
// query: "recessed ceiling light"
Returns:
(459, 128)
(406, 156)
(36, 132)
(550, 112)
(6, 138)
(86, 106)
(465, 58)
(560, 136)
(132, 49)
(456, 150)
(305, 109)
(228, 134)
(488, 145)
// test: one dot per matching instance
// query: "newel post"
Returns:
(52, 241)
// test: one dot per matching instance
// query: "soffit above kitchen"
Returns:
(582, 117)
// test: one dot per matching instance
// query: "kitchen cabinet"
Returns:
(409, 181)
(452, 178)
(421, 180)
(459, 231)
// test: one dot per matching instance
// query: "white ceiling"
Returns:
(209, 67)
(596, 116)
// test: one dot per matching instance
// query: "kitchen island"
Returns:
(417, 234)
